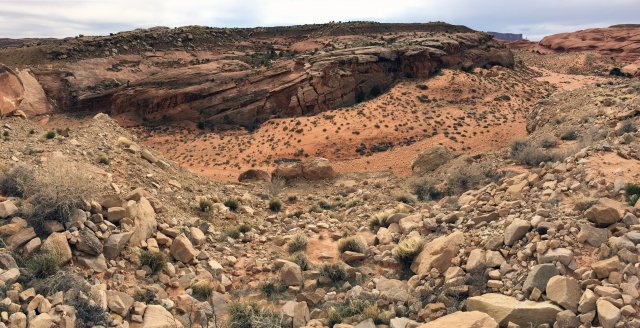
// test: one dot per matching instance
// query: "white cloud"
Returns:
(61, 18)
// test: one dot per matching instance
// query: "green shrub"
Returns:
(50, 134)
(244, 227)
(44, 264)
(252, 315)
(351, 244)
(89, 315)
(205, 204)
(632, 191)
(406, 250)
(232, 204)
(271, 288)
(334, 271)
(202, 289)
(297, 244)
(104, 159)
(301, 259)
(569, 135)
(156, 261)
(233, 233)
(275, 205)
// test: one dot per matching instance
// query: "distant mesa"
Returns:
(506, 36)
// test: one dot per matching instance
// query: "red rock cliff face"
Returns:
(349, 69)
(11, 91)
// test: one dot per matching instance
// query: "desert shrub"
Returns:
(89, 315)
(406, 250)
(44, 264)
(334, 271)
(379, 219)
(632, 191)
(50, 134)
(569, 135)
(422, 86)
(275, 205)
(297, 244)
(202, 289)
(349, 308)
(301, 259)
(548, 142)
(627, 127)
(525, 154)
(244, 227)
(146, 296)
(275, 186)
(62, 281)
(232, 204)
(12, 182)
(205, 204)
(406, 198)
(351, 244)
(425, 189)
(56, 190)
(464, 179)
(271, 288)
(252, 315)
(104, 159)
(156, 261)
(233, 233)
(584, 203)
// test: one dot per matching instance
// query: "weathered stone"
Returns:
(95, 263)
(254, 175)
(182, 249)
(89, 243)
(392, 289)
(298, 312)
(504, 309)
(564, 291)
(605, 267)
(197, 236)
(608, 314)
(476, 261)
(10, 276)
(119, 302)
(592, 235)
(115, 244)
(567, 319)
(539, 276)
(7, 209)
(57, 242)
(606, 212)
(17, 240)
(43, 320)
(438, 254)
(290, 274)
(156, 316)
(430, 159)
(562, 255)
(515, 231)
(473, 319)
(144, 218)
(115, 214)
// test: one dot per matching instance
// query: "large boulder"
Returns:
(606, 212)
(504, 309)
(156, 316)
(515, 231)
(298, 312)
(89, 243)
(7, 209)
(431, 159)
(564, 291)
(539, 276)
(438, 254)
(474, 319)
(57, 242)
(254, 175)
(144, 221)
(115, 244)
(312, 169)
(182, 249)
(11, 91)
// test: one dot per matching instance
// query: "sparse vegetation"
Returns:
(44, 264)
(202, 289)
(406, 250)
(569, 135)
(50, 134)
(352, 244)
(632, 191)
(275, 186)
(525, 154)
(298, 243)
(156, 261)
(205, 204)
(275, 205)
(12, 182)
(89, 315)
(232, 204)
(301, 259)
(334, 271)
(252, 315)
(271, 288)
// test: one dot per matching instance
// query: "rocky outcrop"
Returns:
(11, 91)
(312, 169)
(505, 309)
(230, 91)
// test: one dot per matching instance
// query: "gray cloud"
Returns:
(63, 18)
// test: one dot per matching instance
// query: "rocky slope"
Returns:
(246, 76)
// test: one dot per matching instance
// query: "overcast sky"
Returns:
(533, 18)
